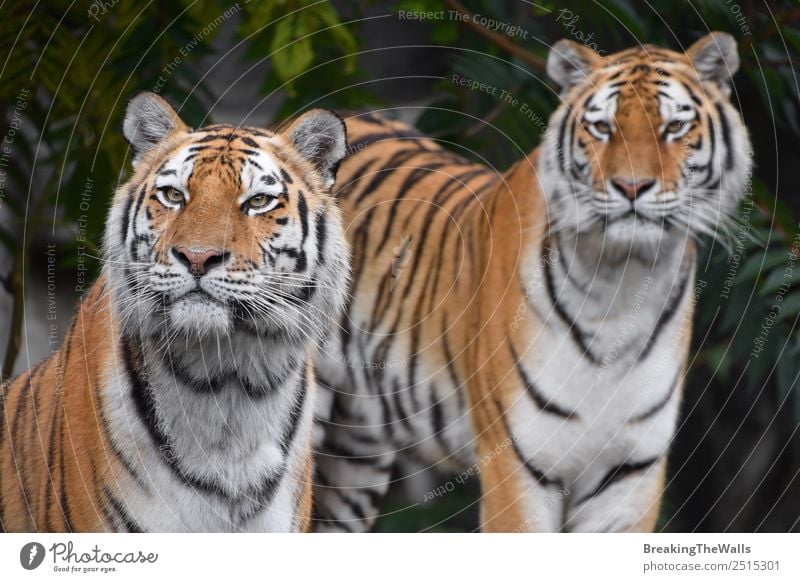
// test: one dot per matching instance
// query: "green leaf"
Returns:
(790, 306)
(341, 36)
(718, 361)
(759, 264)
(780, 278)
(292, 50)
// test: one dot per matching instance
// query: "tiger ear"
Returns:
(570, 63)
(148, 121)
(715, 57)
(320, 137)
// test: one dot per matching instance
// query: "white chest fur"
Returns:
(222, 459)
(607, 354)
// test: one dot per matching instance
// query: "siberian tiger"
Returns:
(532, 327)
(182, 397)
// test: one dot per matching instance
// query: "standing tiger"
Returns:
(532, 325)
(182, 397)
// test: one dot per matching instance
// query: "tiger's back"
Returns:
(405, 199)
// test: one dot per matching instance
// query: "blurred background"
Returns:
(68, 69)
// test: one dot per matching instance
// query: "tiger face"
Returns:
(646, 142)
(225, 229)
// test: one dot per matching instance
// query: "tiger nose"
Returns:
(199, 261)
(632, 189)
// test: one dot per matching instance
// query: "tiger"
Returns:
(182, 397)
(531, 327)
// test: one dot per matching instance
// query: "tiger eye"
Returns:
(675, 126)
(258, 201)
(602, 127)
(173, 195)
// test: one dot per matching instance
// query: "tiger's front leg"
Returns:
(515, 500)
(627, 498)
(516, 495)
(354, 466)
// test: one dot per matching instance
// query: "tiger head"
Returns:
(223, 229)
(645, 143)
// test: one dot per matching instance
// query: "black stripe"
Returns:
(351, 435)
(298, 255)
(321, 236)
(139, 200)
(617, 474)
(389, 167)
(258, 131)
(726, 136)
(438, 420)
(214, 136)
(205, 386)
(130, 524)
(245, 152)
(367, 140)
(402, 414)
(319, 516)
(538, 475)
(253, 163)
(341, 451)
(373, 496)
(571, 141)
(122, 458)
(208, 148)
(451, 369)
(302, 210)
(562, 130)
(262, 496)
(574, 329)
(439, 198)
(546, 405)
(340, 411)
(666, 315)
(354, 178)
(450, 186)
(656, 408)
(413, 178)
(354, 507)
(295, 414)
(126, 218)
(212, 384)
(248, 141)
(562, 260)
(712, 141)
(369, 117)
(146, 410)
